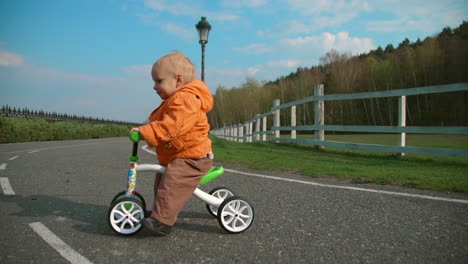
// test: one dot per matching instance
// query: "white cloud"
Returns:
(180, 9)
(425, 16)
(227, 77)
(341, 42)
(173, 8)
(256, 48)
(60, 75)
(392, 25)
(286, 28)
(234, 77)
(253, 70)
(283, 63)
(180, 31)
(222, 17)
(139, 70)
(151, 16)
(232, 72)
(337, 7)
(245, 3)
(10, 59)
(314, 16)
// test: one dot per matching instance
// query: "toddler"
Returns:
(178, 129)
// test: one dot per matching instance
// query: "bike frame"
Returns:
(135, 167)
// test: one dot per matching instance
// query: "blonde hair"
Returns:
(180, 64)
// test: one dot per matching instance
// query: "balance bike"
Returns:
(234, 213)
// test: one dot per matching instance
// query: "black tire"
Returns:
(211, 209)
(242, 213)
(137, 195)
(131, 210)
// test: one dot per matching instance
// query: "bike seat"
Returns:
(211, 175)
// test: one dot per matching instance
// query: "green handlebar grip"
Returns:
(135, 136)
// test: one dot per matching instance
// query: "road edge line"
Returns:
(145, 148)
(54, 241)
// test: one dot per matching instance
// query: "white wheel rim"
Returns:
(236, 216)
(126, 221)
(221, 194)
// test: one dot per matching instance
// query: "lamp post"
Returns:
(203, 28)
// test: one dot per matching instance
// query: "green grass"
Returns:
(412, 140)
(415, 171)
(16, 129)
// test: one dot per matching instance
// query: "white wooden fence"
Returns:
(245, 132)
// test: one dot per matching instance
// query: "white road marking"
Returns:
(54, 241)
(145, 148)
(13, 158)
(3, 166)
(6, 187)
(352, 188)
(33, 151)
(59, 147)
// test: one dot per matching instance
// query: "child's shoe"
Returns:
(156, 226)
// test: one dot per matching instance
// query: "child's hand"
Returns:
(135, 129)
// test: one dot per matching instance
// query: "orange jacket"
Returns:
(179, 126)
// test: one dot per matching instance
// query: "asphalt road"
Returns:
(67, 187)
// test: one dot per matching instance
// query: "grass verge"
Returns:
(17, 129)
(415, 171)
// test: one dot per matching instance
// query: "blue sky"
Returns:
(93, 57)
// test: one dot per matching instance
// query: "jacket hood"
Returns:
(199, 89)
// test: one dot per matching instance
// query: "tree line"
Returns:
(436, 60)
(8, 111)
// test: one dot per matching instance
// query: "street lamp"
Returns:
(203, 28)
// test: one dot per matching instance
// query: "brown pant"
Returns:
(173, 188)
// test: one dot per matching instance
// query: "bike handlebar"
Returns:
(135, 136)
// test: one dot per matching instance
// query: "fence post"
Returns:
(402, 122)
(250, 131)
(293, 121)
(246, 132)
(240, 127)
(257, 128)
(276, 119)
(319, 114)
(234, 132)
(264, 129)
(246, 127)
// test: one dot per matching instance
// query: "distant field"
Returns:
(416, 171)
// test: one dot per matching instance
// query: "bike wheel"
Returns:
(235, 214)
(125, 214)
(221, 193)
(137, 195)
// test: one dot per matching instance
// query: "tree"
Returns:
(446, 32)
(462, 30)
(389, 48)
(379, 52)
(440, 59)
(404, 43)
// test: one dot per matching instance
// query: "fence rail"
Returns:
(244, 132)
